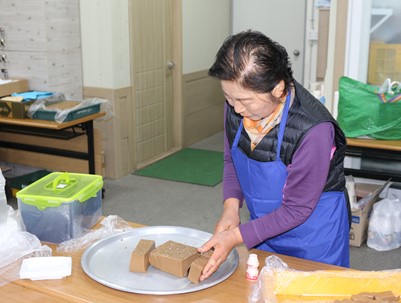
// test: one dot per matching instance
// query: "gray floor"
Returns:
(157, 202)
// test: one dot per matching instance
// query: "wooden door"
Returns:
(154, 71)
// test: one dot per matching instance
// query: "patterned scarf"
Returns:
(258, 129)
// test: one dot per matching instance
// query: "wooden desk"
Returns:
(12, 293)
(80, 288)
(52, 129)
(375, 150)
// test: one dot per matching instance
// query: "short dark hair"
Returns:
(255, 61)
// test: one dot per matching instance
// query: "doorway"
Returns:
(156, 79)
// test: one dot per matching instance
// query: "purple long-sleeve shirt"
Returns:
(307, 176)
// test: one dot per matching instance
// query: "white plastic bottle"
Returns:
(252, 267)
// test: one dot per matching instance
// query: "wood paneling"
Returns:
(203, 107)
(341, 42)
(323, 36)
(116, 132)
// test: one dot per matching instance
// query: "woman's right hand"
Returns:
(226, 237)
(230, 217)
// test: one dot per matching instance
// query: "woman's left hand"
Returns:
(222, 242)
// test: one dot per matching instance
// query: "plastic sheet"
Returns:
(110, 225)
(389, 87)
(61, 115)
(277, 282)
(15, 243)
(361, 203)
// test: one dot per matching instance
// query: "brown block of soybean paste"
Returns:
(173, 258)
(386, 296)
(197, 266)
(363, 297)
(140, 256)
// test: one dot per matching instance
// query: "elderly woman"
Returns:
(283, 155)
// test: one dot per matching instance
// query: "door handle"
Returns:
(170, 64)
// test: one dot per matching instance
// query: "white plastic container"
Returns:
(252, 267)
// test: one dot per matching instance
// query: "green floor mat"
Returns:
(189, 165)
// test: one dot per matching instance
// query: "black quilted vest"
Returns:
(305, 112)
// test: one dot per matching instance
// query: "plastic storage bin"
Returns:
(71, 109)
(61, 206)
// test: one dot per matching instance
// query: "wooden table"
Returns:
(52, 129)
(375, 150)
(80, 288)
(393, 145)
(12, 293)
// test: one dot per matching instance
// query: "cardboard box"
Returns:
(16, 86)
(360, 217)
(10, 108)
(14, 109)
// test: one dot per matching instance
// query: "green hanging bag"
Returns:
(367, 110)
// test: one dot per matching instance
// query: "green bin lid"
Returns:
(58, 188)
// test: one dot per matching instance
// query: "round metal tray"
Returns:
(107, 262)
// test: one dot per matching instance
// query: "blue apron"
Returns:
(323, 237)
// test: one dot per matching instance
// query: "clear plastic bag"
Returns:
(278, 282)
(15, 243)
(262, 292)
(384, 231)
(389, 87)
(61, 114)
(110, 225)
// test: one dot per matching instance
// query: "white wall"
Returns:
(105, 38)
(205, 25)
(281, 20)
(105, 43)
